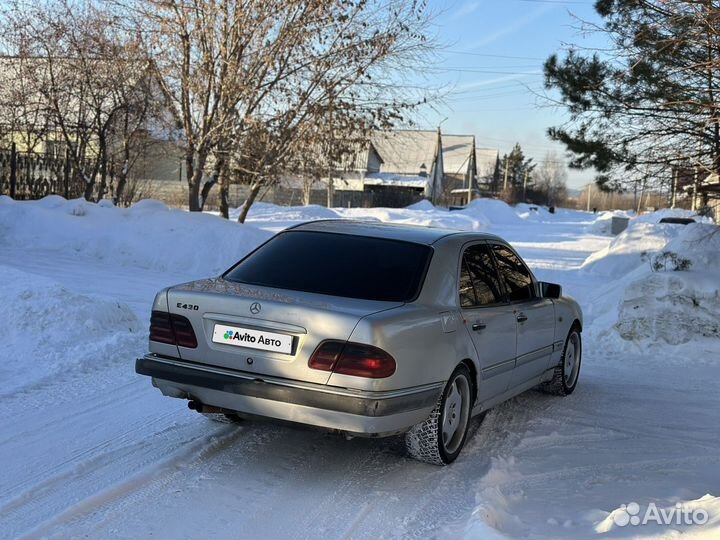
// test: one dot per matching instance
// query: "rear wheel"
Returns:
(567, 372)
(439, 439)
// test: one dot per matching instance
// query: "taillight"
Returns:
(172, 329)
(326, 355)
(365, 361)
(184, 333)
(354, 359)
(161, 328)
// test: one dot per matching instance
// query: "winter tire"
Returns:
(567, 372)
(439, 439)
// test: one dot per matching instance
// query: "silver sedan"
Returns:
(367, 329)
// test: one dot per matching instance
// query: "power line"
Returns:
(464, 98)
(488, 72)
(500, 66)
(559, 2)
(484, 55)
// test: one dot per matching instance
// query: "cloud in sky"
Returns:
(515, 25)
(464, 10)
(495, 80)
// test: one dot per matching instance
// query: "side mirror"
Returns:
(550, 290)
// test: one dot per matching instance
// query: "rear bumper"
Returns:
(351, 411)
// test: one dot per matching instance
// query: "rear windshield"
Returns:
(338, 265)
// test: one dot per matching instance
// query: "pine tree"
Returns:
(648, 104)
(518, 166)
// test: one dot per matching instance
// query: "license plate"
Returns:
(252, 339)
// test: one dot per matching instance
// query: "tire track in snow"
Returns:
(454, 498)
(193, 449)
(248, 450)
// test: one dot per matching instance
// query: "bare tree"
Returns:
(23, 117)
(87, 80)
(551, 180)
(252, 79)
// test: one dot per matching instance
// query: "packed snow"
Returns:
(89, 449)
(148, 235)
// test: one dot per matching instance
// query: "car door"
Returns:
(489, 319)
(535, 316)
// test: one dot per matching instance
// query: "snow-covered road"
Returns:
(96, 452)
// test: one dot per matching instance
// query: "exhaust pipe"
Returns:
(198, 406)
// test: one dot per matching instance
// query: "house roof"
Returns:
(411, 153)
(406, 152)
(711, 184)
(456, 153)
(486, 161)
(357, 158)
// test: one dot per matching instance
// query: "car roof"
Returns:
(418, 234)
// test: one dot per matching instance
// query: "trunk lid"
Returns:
(277, 330)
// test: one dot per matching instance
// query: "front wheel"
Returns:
(439, 439)
(567, 372)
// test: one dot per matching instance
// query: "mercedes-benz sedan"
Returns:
(367, 329)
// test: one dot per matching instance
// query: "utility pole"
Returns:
(506, 174)
(674, 187)
(469, 191)
(589, 195)
(472, 169)
(642, 193)
(525, 181)
(330, 191)
(635, 191)
(13, 171)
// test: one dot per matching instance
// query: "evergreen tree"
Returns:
(518, 166)
(648, 104)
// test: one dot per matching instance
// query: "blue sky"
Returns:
(492, 59)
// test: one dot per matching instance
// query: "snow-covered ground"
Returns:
(89, 449)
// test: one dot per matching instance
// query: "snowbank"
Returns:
(629, 249)
(671, 305)
(275, 218)
(602, 224)
(532, 212)
(147, 235)
(663, 285)
(422, 213)
(273, 212)
(421, 205)
(493, 211)
(478, 215)
(655, 217)
(52, 331)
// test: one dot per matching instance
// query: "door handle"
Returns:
(477, 326)
(521, 317)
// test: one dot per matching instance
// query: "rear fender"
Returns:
(427, 347)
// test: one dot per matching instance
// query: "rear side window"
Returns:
(338, 265)
(479, 283)
(517, 277)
